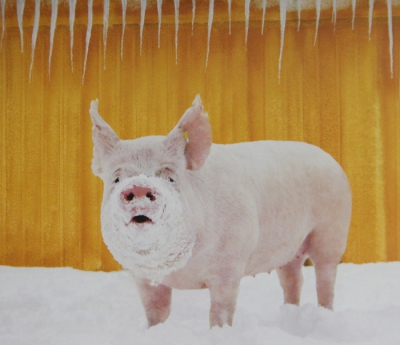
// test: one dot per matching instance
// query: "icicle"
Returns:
(371, 9)
(282, 10)
(353, 6)
(193, 13)
(88, 34)
(298, 14)
(124, 3)
(72, 6)
(3, 21)
(105, 27)
(20, 14)
(210, 20)
(264, 8)
(334, 15)
(143, 4)
(247, 14)
(53, 22)
(176, 4)
(318, 8)
(159, 8)
(34, 34)
(230, 15)
(390, 28)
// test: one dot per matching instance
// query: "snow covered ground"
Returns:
(67, 306)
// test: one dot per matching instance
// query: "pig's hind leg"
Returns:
(156, 301)
(326, 249)
(291, 279)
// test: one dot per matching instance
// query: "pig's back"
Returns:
(275, 164)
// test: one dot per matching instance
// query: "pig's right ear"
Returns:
(104, 139)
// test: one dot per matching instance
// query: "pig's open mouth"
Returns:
(141, 219)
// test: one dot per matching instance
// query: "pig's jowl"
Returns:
(181, 212)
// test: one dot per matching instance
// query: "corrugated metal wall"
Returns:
(337, 94)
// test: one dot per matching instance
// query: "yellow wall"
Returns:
(337, 94)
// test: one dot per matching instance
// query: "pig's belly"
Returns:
(267, 257)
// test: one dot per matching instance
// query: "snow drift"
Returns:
(66, 306)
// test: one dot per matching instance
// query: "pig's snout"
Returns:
(133, 198)
(138, 192)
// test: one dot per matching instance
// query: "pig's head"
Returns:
(145, 221)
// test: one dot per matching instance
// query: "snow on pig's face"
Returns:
(145, 222)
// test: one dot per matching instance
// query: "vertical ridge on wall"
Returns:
(312, 95)
(362, 158)
(93, 88)
(329, 92)
(388, 99)
(256, 103)
(3, 160)
(15, 237)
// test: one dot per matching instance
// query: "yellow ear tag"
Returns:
(185, 134)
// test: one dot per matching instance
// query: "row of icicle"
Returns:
(143, 4)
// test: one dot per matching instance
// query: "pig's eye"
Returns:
(171, 179)
(116, 180)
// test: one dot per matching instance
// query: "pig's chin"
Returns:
(150, 245)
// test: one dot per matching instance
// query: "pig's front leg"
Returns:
(223, 303)
(156, 301)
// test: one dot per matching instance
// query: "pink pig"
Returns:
(180, 212)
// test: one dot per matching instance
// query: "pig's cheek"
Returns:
(175, 186)
(109, 190)
(156, 208)
(114, 206)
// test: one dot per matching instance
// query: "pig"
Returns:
(180, 212)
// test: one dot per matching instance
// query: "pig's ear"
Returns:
(193, 131)
(104, 138)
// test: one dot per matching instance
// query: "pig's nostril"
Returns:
(150, 196)
(138, 193)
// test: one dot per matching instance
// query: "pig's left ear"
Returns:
(104, 139)
(197, 140)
